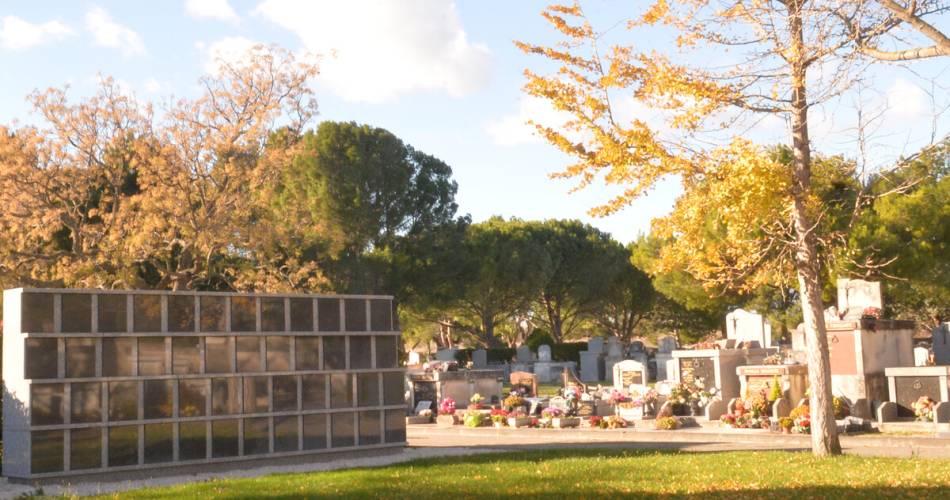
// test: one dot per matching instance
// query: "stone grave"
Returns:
(715, 368)
(792, 379)
(664, 357)
(629, 372)
(906, 384)
(592, 361)
(414, 358)
(748, 326)
(479, 359)
(526, 381)
(941, 344)
(459, 385)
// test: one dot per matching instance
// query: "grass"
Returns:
(591, 473)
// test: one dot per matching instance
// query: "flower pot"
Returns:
(680, 410)
(565, 422)
(446, 420)
(498, 425)
(517, 422)
(695, 409)
(786, 430)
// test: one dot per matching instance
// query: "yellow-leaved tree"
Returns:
(769, 207)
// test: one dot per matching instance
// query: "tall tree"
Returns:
(501, 268)
(377, 193)
(584, 263)
(775, 44)
(628, 300)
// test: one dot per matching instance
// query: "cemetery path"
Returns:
(690, 440)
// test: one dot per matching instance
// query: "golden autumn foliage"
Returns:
(105, 194)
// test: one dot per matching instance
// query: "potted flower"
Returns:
(475, 402)
(786, 424)
(499, 417)
(680, 395)
(560, 419)
(801, 417)
(615, 422)
(518, 418)
(513, 401)
(924, 408)
(594, 421)
(667, 423)
(474, 418)
(728, 420)
(447, 415)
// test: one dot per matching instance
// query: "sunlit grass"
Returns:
(598, 473)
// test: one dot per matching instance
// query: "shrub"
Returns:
(776, 391)
(667, 423)
(474, 419)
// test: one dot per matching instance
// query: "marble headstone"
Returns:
(446, 354)
(544, 353)
(414, 358)
(629, 372)
(524, 354)
(479, 359)
(921, 356)
(595, 345)
(854, 296)
(666, 343)
(748, 326)
(941, 344)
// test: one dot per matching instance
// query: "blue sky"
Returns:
(442, 75)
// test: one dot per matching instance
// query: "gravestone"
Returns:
(664, 357)
(854, 296)
(667, 343)
(592, 361)
(479, 359)
(629, 372)
(446, 354)
(748, 326)
(524, 354)
(526, 381)
(544, 353)
(615, 354)
(921, 356)
(941, 344)
(595, 344)
(422, 405)
(414, 358)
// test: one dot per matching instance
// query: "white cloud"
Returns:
(513, 129)
(906, 101)
(379, 49)
(17, 34)
(232, 50)
(152, 85)
(108, 33)
(212, 9)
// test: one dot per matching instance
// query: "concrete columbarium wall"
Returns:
(103, 381)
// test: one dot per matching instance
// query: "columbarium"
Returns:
(100, 381)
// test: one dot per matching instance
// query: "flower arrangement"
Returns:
(786, 424)
(513, 400)
(772, 359)
(595, 420)
(614, 422)
(498, 416)
(667, 423)
(841, 407)
(801, 416)
(924, 408)
(757, 404)
(616, 397)
(728, 420)
(447, 406)
(474, 419)
(871, 312)
(475, 402)
(552, 412)
(680, 393)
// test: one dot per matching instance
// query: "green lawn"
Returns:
(595, 473)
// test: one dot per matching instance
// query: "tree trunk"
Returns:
(824, 432)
